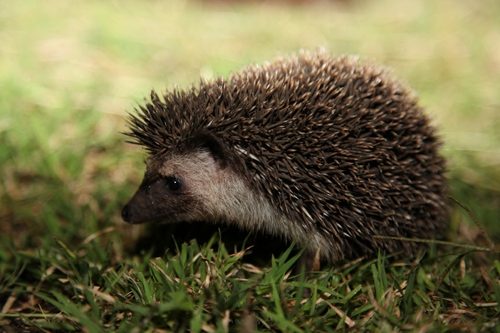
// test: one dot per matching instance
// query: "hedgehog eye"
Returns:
(173, 183)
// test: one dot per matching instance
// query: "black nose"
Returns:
(126, 213)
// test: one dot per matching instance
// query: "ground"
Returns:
(70, 72)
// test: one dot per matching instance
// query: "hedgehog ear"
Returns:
(211, 143)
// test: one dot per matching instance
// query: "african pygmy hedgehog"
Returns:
(328, 153)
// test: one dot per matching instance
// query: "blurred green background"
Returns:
(71, 70)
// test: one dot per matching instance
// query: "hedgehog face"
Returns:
(192, 183)
(173, 189)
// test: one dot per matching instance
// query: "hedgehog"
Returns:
(328, 153)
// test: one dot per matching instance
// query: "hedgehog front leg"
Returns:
(309, 261)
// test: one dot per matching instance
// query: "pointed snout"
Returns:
(126, 214)
(137, 209)
(144, 206)
(154, 202)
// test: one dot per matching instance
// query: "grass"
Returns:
(69, 72)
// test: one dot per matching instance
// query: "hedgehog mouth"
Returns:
(130, 216)
(155, 220)
(139, 214)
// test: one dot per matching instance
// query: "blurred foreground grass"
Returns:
(69, 72)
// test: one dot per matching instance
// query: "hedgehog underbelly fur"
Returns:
(330, 153)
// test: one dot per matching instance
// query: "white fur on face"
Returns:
(225, 197)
